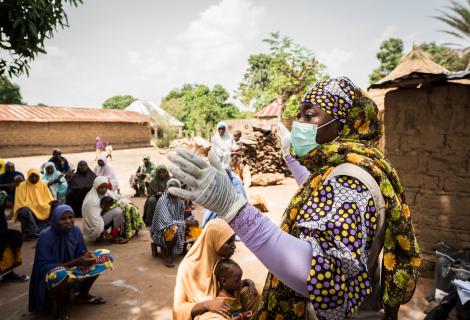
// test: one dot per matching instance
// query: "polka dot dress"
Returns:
(339, 220)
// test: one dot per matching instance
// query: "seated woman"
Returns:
(105, 170)
(168, 226)
(10, 247)
(8, 183)
(63, 262)
(125, 216)
(155, 189)
(228, 276)
(195, 289)
(140, 180)
(80, 183)
(55, 181)
(32, 204)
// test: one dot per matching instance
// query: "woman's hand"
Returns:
(86, 260)
(251, 286)
(219, 306)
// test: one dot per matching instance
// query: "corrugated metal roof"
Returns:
(272, 110)
(417, 78)
(26, 113)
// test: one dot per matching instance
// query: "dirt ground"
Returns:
(140, 286)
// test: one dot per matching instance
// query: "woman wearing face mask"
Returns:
(348, 208)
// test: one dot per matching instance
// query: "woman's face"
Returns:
(314, 115)
(33, 178)
(228, 249)
(50, 170)
(102, 188)
(83, 167)
(162, 173)
(100, 163)
(9, 167)
(66, 222)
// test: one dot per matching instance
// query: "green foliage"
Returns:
(449, 58)
(118, 102)
(389, 55)
(9, 92)
(199, 107)
(24, 25)
(284, 73)
(458, 19)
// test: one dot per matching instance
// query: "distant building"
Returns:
(427, 133)
(158, 116)
(33, 130)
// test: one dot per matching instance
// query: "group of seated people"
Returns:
(47, 200)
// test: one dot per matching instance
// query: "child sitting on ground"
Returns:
(107, 204)
(228, 275)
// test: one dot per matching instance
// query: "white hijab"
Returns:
(93, 224)
(223, 145)
(106, 171)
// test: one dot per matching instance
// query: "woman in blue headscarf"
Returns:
(62, 261)
(55, 181)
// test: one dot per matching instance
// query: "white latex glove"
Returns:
(209, 183)
(284, 134)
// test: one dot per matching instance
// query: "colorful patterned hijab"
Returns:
(360, 132)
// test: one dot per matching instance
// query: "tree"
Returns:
(449, 58)
(118, 102)
(284, 73)
(390, 52)
(25, 25)
(458, 19)
(199, 107)
(9, 92)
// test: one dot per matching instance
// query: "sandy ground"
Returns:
(141, 287)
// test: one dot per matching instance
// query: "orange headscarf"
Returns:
(36, 197)
(195, 281)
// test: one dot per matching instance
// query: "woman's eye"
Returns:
(309, 116)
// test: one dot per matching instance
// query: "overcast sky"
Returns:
(145, 48)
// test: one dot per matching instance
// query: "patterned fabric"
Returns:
(168, 213)
(132, 219)
(340, 249)
(234, 302)
(104, 261)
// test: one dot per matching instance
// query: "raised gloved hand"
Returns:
(209, 184)
(284, 135)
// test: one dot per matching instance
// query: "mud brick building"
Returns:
(427, 139)
(32, 130)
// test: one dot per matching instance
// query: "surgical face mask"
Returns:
(304, 137)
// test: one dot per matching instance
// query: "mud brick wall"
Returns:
(427, 139)
(35, 138)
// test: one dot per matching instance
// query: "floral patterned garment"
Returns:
(319, 213)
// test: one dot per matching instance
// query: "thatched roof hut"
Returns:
(416, 61)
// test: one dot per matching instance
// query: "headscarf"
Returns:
(146, 157)
(93, 224)
(106, 171)
(362, 127)
(36, 197)
(195, 280)
(169, 211)
(54, 248)
(156, 184)
(2, 166)
(59, 188)
(82, 180)
(223, 145)
(9, 178)
(173, 180)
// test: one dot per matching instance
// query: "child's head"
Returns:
(106, 203)
(229, 275)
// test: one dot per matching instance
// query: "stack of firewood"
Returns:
(261, 152)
